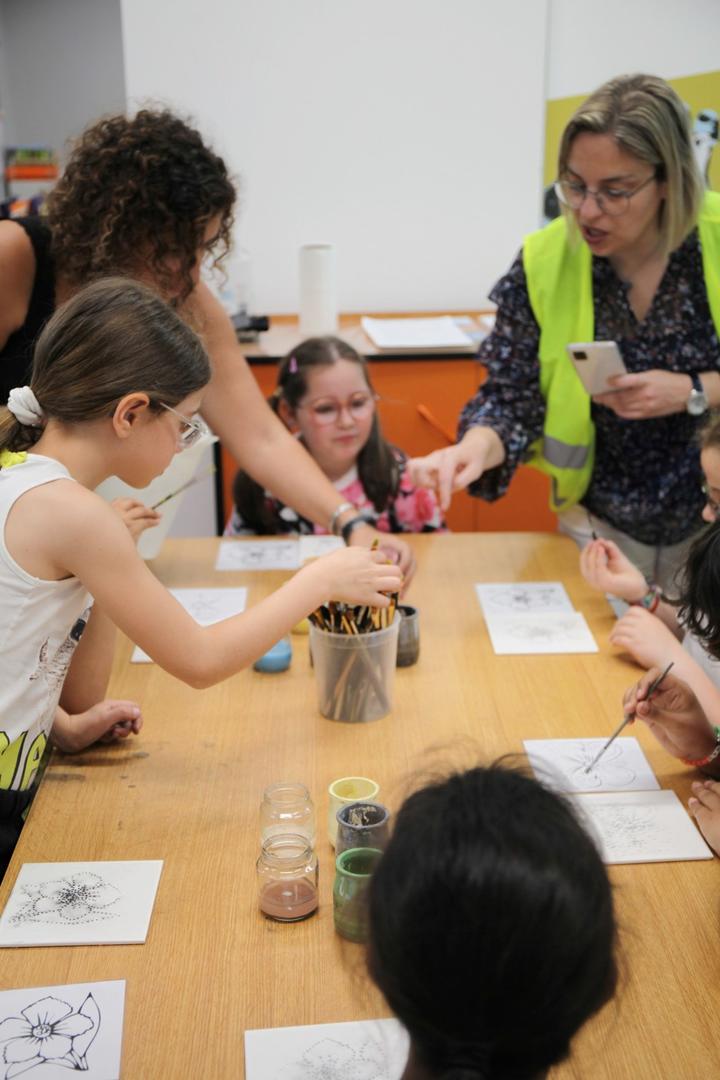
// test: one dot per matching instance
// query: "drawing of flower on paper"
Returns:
(78, 898)
(48, 1031)
(332, 1060)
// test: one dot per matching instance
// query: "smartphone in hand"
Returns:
(596, 362)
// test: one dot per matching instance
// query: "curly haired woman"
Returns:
(145, 197)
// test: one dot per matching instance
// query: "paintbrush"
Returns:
(628, 718)
(183, 487)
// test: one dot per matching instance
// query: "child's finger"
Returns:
(708, 796)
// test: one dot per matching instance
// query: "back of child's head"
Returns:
(492, 931)
(113, 337)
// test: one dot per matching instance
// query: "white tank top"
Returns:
(40, 626)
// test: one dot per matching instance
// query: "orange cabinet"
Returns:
(440, 387)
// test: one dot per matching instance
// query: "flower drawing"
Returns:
(78, 898)
(49, 1031)
(332, 1060)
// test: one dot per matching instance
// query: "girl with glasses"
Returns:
(117, 377)
(325, 397)
(146, 197)
(633, 259)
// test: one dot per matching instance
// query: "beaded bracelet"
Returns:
(699, 763)
(341, 509)
(650, 600)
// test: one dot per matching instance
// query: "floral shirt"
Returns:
(413, 510)
(646, 479)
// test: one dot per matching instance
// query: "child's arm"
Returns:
(105, 722)
(605, 567)
(87, 677)
(142, 608)
(652, 644)
(89, 671)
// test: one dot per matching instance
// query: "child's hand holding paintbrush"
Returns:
(676, 719)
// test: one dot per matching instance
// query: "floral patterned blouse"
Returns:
(647, 478)
(412, 510)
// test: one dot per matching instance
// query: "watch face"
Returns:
(696, 403)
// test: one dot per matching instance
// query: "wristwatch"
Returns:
(697, 403)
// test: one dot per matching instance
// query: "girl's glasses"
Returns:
(610, 201)
(712, 505)
(328, 411)
(192, 429)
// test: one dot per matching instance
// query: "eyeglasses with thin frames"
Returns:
(611, 201)
(326, 412)
(193, 427)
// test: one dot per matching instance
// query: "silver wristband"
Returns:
(333, 526)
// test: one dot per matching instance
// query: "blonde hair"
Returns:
(647, 119)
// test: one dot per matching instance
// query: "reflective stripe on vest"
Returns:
(559, 282)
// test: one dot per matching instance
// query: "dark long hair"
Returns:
(378, 467)
(143, 185)
(492, 932)
(111, 338)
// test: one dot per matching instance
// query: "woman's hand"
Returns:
(674, 715)
(136, 516)
(704, 805)
(648, 640)
(356, 575)
(647, 394)
(391, 546)
(605, 567)
(457, 466)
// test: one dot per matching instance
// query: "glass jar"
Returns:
(287, 808)
(287, 873)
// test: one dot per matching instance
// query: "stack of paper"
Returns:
(440, 334)
(533, 617)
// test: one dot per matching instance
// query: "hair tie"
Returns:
(25, 407)
(293, 365)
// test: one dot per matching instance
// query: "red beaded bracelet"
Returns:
(699, 763)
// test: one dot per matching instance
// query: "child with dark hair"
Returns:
(492, 932)
(325, 397)
(655, 629)
(117, 380)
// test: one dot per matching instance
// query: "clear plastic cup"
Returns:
(355, 672)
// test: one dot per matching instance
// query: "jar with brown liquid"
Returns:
(287, 873)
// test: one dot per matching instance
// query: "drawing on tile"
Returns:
(330, 1059)
(78, 899)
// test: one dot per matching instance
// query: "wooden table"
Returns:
(187, 791)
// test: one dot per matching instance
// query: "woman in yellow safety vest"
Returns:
(634, 259)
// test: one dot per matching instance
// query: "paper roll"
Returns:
(318, 290)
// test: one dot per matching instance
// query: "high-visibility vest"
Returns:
(559, 281)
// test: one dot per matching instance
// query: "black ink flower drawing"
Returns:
(49, 1032)
(77, 898)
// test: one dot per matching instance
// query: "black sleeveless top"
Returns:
(16, 356)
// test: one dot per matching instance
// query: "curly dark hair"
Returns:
(138, 183)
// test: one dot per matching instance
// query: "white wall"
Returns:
(62, 66)
(408, 133)
(590, 42)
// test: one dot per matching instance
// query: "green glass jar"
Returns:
(353, 870)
